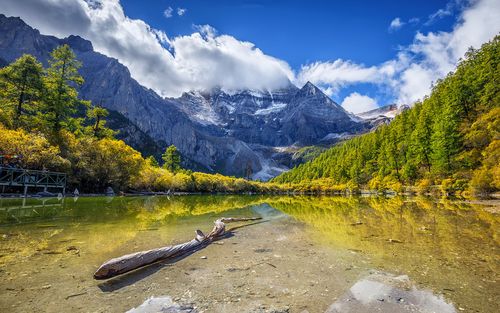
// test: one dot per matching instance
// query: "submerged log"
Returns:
(133, 261)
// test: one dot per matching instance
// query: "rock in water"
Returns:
(110, 192)
(162, 304)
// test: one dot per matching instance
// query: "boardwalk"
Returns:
(18, 177)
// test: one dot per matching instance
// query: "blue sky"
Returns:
(361, 53)
(304, 31)
(301, 31)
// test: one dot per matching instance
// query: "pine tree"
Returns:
(172, 159)
(97, 116)
(61, 98)
(21, 88)
(445, 141)
(421, 139)
(152, 161)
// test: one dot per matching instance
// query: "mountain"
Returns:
(239, 133)
(388, 111)
(382, 115)
(451, 138)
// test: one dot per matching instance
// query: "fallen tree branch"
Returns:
(133, 261)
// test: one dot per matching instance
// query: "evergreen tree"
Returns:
(448, 135)
(21, 87)
(172, 159)
(445, 140)
(61, 99)
(97, 116)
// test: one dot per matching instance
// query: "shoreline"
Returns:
(362, 193)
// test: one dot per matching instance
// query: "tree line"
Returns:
(43, 121)
(451, 139)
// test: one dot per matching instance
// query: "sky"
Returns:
(363, 54)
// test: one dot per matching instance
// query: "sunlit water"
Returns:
(310, 254)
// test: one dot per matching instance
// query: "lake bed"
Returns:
(308, 254)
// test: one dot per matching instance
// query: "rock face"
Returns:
(234, 133)
(382, 115)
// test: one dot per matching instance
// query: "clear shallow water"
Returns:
(320, 254)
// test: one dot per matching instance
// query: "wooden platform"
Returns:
(25, 178)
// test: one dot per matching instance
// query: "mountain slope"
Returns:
(234, 133)
(108, 83)
(452, 138)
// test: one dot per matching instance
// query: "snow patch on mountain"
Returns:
(336, 136)
(275, 107)
(269, 170)
(389, 111)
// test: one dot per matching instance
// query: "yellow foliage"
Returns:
(34, 149)
(424, 186)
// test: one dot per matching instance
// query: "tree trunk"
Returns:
(133, 261)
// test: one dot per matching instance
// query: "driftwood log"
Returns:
(133, 261)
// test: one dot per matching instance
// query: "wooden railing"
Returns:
(19, 177)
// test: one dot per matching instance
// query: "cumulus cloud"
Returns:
(396, 24)
(334, 75)
(205, 59)
(168, 13)
(410, 75)
(206, 30)
(198, 61)
(449, 10)
(356, 103)
(181, 11)
(439, 52)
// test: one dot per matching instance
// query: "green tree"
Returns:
(445, 140)
(172, 159)
(97, 116)
(21, 87)
(152, 161)
(61, 99)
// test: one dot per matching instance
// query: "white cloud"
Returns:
(206, 30)
(414, 20)
(438, 53)
(196, 62)
(357, 103)
(430, 57)
(449, 10)
(334, 75)
(168, 12)
(396, 24)
(204, 59)
(181, 11)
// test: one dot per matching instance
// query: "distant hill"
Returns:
(241, 133)
(451, 138)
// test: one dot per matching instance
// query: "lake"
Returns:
(307, 254)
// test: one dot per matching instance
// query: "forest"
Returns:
(44, 125)
(450, 141)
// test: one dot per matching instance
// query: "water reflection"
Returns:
(451, 247)
(449, 250)
(383, 292)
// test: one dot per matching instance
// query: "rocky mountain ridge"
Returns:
(241, 133)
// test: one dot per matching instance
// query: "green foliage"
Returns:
(96, 116)
(39, 122)
(61, 99)
(172, 159)
(21, 88)
(455, 131)
(152, 161)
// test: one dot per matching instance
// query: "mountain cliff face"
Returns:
(240, 133)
